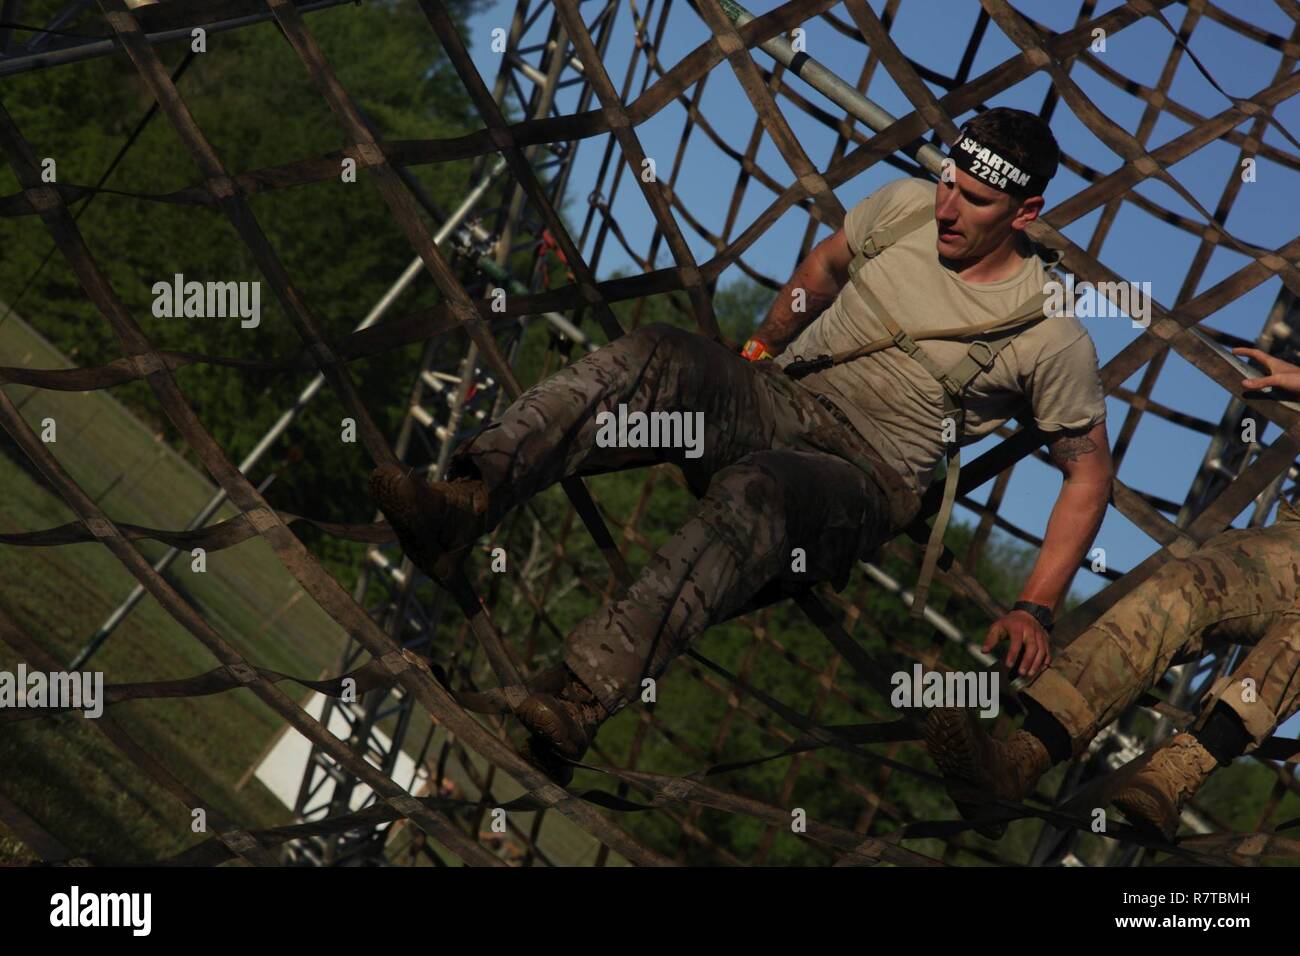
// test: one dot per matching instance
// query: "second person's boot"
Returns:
(1153, 799)
(972, 760)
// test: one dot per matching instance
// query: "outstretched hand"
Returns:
(1282, 374)
(1028, 642)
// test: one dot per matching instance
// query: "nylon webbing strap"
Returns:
(878, 240)
(979, 357)
(953, 408)
(1025, 317)
(934, 546)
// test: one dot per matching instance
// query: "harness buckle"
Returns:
(903, 341)
(982, 354)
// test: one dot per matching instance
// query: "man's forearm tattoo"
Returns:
(1071, 448)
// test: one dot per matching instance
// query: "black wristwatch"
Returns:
(1039, 612)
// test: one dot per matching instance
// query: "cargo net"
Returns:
(815, 760)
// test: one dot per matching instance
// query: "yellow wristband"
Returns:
(754, 350)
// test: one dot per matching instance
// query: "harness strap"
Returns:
(979, 357)
(878, 240)
(1030, 314)
(934, 546)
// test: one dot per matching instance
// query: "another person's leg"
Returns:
(1241, 711)
(1089, 683)
(1264, 689)
(1123, 655)
(745, 533)
(1250, 586)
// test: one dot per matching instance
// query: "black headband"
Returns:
(973, 157)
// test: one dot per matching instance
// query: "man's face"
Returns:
(973, 217)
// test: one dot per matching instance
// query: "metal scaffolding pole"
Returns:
(325, 787)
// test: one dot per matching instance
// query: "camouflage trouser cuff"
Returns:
(1256, 716)
(1062, 700)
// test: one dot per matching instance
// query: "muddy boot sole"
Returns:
(551, 763)
(433, 531)
(549, 721)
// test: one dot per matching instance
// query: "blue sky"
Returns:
(1163, 457)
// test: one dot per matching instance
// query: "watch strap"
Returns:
(1039, 612)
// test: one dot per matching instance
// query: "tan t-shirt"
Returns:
(1049, 370)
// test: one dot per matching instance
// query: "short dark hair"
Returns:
(1021, 137)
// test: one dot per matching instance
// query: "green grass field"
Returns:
(59, 770)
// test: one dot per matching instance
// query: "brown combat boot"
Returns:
(1153, 799)
(562, 725)
(972, 761)
(436, 523)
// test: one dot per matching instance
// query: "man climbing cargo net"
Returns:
(954, 252)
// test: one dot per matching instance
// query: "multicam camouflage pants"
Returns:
(1240, 587)
(778, 471)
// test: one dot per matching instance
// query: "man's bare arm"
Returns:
(1080, 507)
(1084, 457)
(810, 291)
